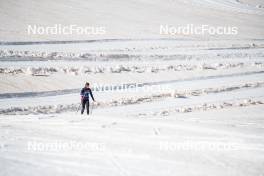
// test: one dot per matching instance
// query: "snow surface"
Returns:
(197, 110)
(184, 105)
(130, 18)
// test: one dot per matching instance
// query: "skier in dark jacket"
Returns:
(85, 92)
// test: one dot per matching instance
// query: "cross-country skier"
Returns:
(85, 92)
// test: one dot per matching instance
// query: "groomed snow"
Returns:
(165, 105)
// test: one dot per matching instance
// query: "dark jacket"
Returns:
(85, 92)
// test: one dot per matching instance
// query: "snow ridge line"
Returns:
(110, 40)
(35, 71)
(15, 55)
(92, 41)
(50, 109)
(205, 107)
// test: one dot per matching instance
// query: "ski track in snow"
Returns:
(133, 100)
(123, 86)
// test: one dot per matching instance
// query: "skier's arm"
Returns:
(82, 93)
(91, 93)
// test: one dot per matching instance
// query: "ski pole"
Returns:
(78, 108)
(92, 107)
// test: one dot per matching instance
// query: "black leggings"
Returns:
(85, 102)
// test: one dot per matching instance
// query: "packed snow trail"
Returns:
(136, 144)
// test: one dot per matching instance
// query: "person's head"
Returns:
(87, 85)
